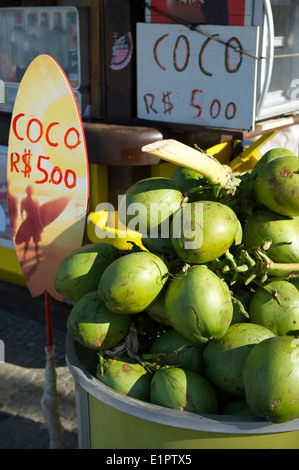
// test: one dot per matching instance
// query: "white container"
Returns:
(110, 420)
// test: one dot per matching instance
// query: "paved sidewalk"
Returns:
(23, 331)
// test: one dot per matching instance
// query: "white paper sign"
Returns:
(186, 77)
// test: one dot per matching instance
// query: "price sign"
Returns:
(200, 77)
(47, 174)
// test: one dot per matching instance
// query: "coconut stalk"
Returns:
(270, 268)
(280, 269)
(183, 155)
(247, 267)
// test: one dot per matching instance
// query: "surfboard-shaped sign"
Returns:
(47, 174)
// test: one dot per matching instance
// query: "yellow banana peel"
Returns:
(105, 227)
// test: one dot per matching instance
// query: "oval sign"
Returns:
(47, 174)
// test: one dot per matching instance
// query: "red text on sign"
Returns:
(36, 131)
(55, 176)
(215, 109)
(182, 48)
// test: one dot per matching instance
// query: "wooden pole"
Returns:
(48, 311)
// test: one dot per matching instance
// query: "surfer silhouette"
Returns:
(34, 227)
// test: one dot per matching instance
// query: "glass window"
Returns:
(286, 48)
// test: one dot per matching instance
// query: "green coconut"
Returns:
(82, 269)
(276, 307)
(171, 348)
(148, 204)
(184, 390)
(156, 310)
(203, 231)
(159, 242)
(270, 155)
(271, 379)
(224, 358)
(186, 179)
(276, 186)
(132, 282)
(125, 375)
(93, 325)
(283, 231)
(199, 304)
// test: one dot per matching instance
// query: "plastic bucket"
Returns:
(110, 420)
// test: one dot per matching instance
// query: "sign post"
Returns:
(47, 175)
